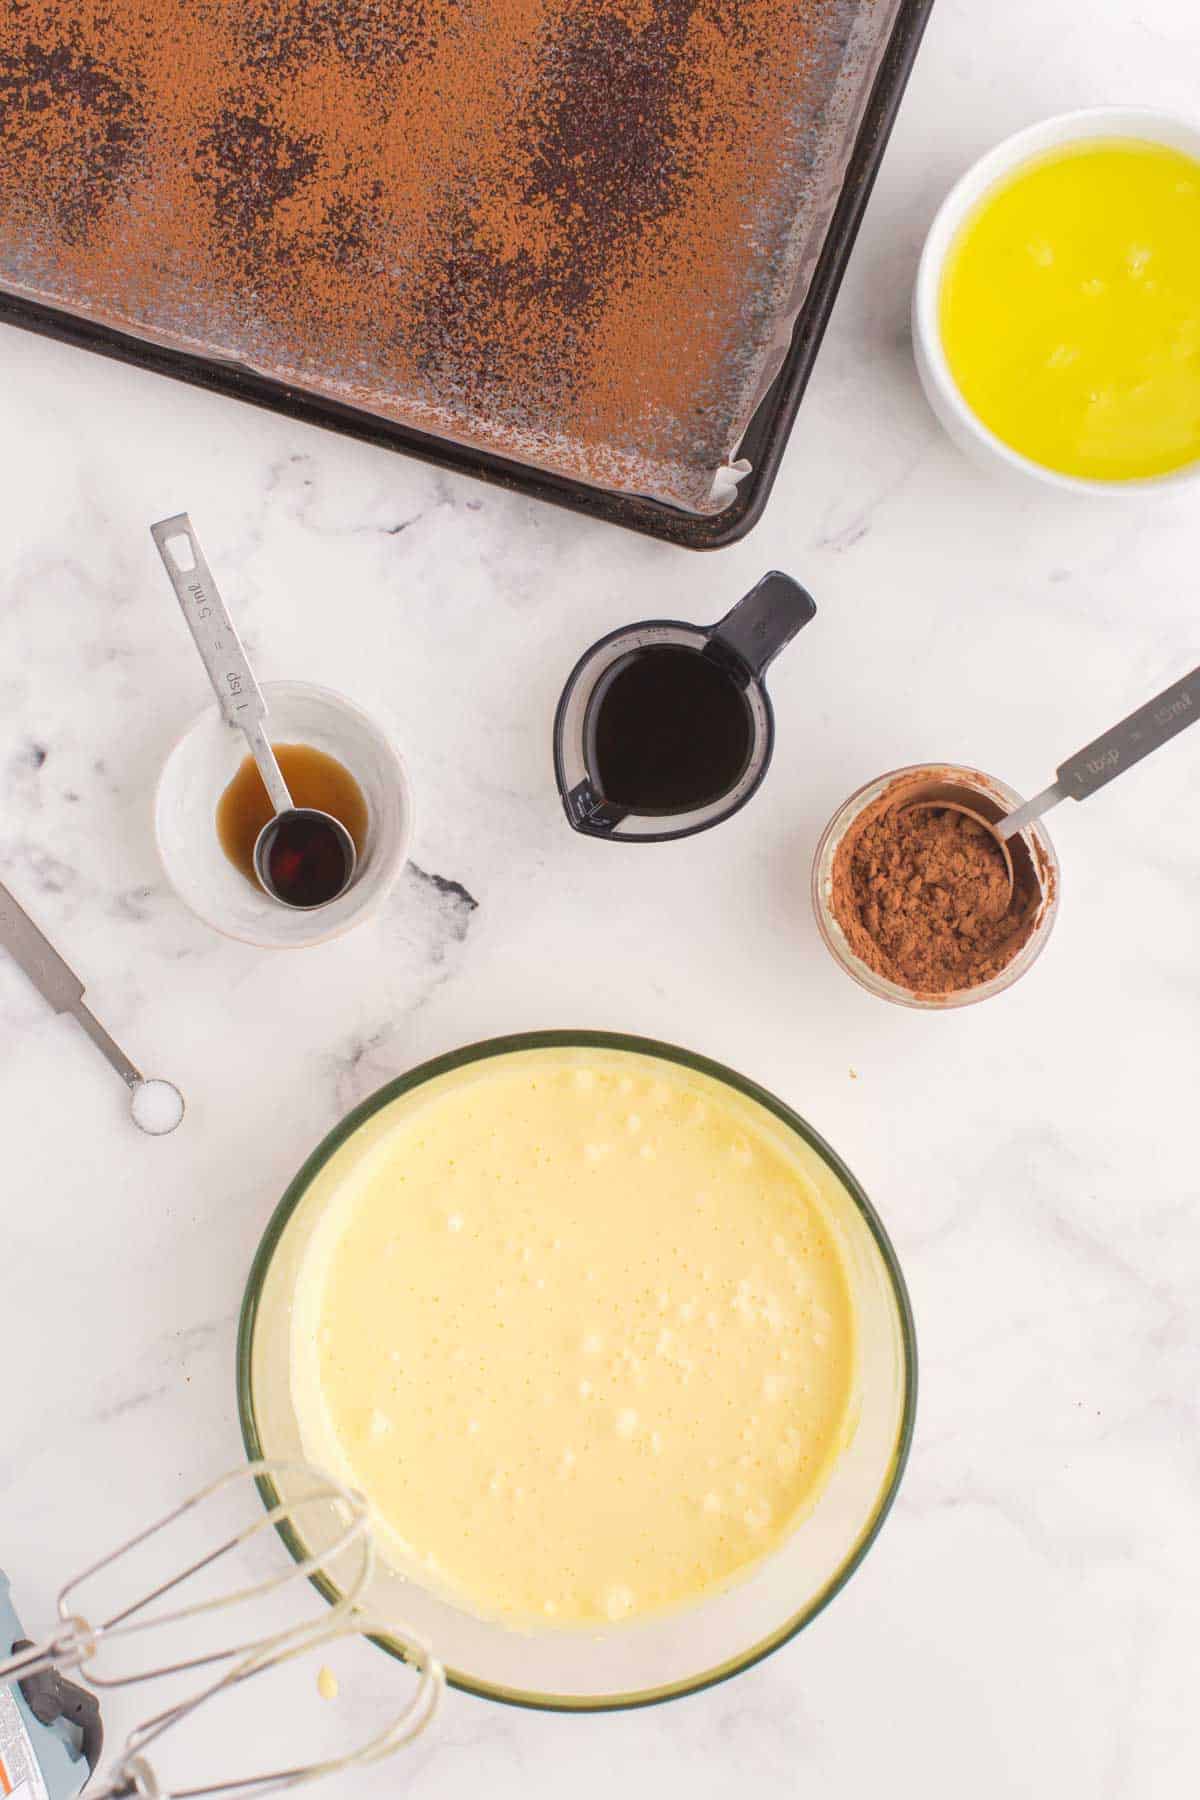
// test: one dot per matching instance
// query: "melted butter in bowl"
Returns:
(580, 1326)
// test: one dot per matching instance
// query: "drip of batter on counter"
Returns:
(923, 898)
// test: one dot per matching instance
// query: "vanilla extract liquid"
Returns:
(305, 860)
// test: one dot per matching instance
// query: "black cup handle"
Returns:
(764, 620)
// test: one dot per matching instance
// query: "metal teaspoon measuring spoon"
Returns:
(1090, 769)
(156, 1106)
(242, 705)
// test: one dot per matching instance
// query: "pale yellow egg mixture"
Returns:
(580, 1326)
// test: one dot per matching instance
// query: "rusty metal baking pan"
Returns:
(762, 445)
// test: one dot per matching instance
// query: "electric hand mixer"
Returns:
(50, 1733)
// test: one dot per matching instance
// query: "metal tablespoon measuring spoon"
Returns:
(156, 1106)
(303, 857)
(1083, 774)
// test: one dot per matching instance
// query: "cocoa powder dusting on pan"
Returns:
(564, 230)
(923, 898)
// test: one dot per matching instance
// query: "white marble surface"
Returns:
(1029, 1620)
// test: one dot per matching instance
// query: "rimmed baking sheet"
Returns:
(186, 211)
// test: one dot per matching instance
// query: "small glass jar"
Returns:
(996, 799)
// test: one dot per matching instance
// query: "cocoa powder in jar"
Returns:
(923, 897)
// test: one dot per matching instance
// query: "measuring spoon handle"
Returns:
(56, 980)
(209, 622)
(108, 1047)
(1145, 730)
(241, 698)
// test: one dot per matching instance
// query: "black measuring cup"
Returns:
(665, 728)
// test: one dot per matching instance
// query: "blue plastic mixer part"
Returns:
(37, 1762)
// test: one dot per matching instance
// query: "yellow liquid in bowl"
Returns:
(580, 1326)
(1070, 310)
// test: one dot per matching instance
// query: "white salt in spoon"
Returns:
(156, 1106)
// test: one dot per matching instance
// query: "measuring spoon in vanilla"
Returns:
(1081, 775)
(302, 857)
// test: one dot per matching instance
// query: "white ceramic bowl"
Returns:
(202, 764)
(941, 389)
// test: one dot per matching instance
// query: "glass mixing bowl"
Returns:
(640, 1661)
